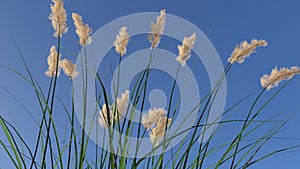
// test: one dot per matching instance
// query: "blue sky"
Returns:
(226, 23)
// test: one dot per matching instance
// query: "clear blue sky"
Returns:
(226, 23)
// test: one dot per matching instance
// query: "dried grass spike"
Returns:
(69, 68)
(185, 49)
(157, 29)
(52, 62)
(58, 18)
(121, 41)
(83, 31)
(244, 50)
(276, 76)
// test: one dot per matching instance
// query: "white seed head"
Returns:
(276, 76)
(157, 29)
(58, 18)
(148, 120)
(122, 103)
(184, 51)
(157, 133)
(244, 50)
(53, 61)
(69, 68)
(83, 31)
(121, 41)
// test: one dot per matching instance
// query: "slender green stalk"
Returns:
(9, 154)
(32, 82)
(233, 143)
(214, 94)
(168, 114)
(142, 104)
(211, 95)
(19, 135)
(13, 144)
(41, 124)
(268, 136)
(84, 75)
(51, 106)
(244, 126)
(270, 154)
(72, 127)
(112, 158)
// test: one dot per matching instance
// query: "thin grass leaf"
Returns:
(13, 144)
(9, 154)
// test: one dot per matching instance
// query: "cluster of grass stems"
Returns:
(50, 152)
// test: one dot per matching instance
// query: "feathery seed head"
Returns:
(157, 29)
(58, 18)
(157, 133)
(156, 121)
(83, 31)
(185, 49)
(121, 41)
(52, 63)
(69, 68)
(276, 76)
(162, 122)
(122, 103)
(156, 136)
(148, 120)
(244, 50)
(103, 119)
